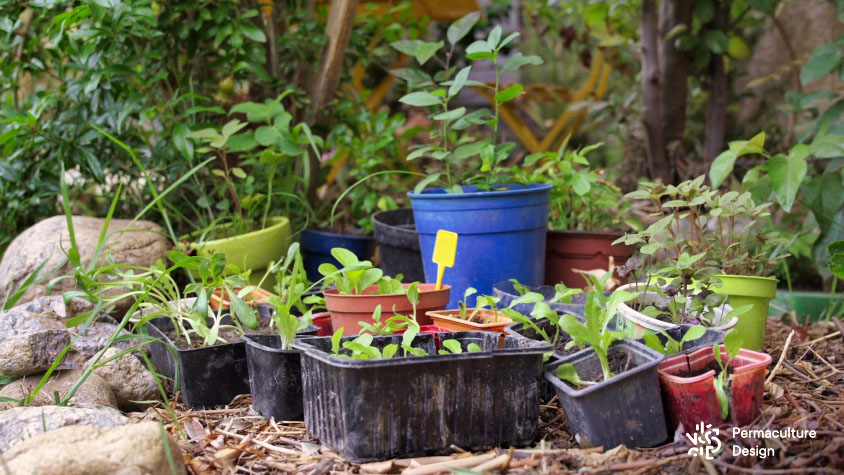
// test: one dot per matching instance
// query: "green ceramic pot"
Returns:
(756, 291)
(253, 250)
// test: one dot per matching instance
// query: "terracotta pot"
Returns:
(691, 400)
(567, 250)
(257, 297)
(451, 319)
(348, 310)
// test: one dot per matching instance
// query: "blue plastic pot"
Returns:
(501, 235)
(316, 249)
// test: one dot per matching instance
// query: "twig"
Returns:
(265, 445)
(782, 357)
(774, 471)
(816, 340)
(447, 466)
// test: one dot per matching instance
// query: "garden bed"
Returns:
(806, 392)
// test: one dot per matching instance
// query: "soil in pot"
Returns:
(484, 320)
(619, 363)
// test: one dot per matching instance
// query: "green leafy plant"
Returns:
(356, 276)
(361, 347)
(732, 346)
(672, 346)
(440, 90)
(453, 347)
(599, 312)
(481, 302)
(396, 322)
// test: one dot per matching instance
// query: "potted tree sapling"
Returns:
(587, 215)
(610, 390)
(703, 235)
(715, 385)
(484, 205)
(241, 221)
(359, 288)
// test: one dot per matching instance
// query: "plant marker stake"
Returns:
(445, 248)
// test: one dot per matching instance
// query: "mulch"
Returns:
(806, 392)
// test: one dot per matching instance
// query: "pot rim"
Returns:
(753, 360)
(427, 289)
(318, 232)
(278, 222)
(587, 234)
(447, 315)
(523, 189)
(251, 342)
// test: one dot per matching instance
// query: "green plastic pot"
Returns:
(756, 291)
(253, 250)
(807, 304)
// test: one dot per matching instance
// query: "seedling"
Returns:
(671, 345)
(397, 321)
(452, 347)
(481, 302)
(732, 344)
(361, 347)
(599, 312)
(356, 275)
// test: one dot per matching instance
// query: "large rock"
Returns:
(95, 391)
(130, 449)
(21, 423)
(141, 244)
(30, 353)
(129, 379)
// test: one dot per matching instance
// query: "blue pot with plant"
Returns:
(501, 222)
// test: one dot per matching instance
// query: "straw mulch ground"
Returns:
(807, 392)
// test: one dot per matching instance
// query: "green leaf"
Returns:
(716, 41)
(468, 150)
(580, 185)
(407, 47)
(693, 333)
(824, 60)
(425, 182)
(518, 60)
(389, 351)
(420, 99)
(425, 51)
(596, 16)
(530, 297)
(732, 343)
(459, 81)
(787, 174)
(453, 114)
(336, 338)
(253, 32)
(474, 348)
(345, 257)
(267, 135)
(184, 146)
(704, 10)
(460, 28)
(479, 50)
(510, 93)
(243, 311)
(566, 372)
(453, 346)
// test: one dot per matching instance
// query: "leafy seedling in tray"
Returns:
(481, 302)
(396, 322)
(671, 345)
(453, 347)
(732, 344)
(357, 276)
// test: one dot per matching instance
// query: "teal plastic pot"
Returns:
(756, 291)
(807, 304)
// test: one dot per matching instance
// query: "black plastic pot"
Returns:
(626, 409)
(398, 243)
(316, 249)
(409, 406)
(506, 291)
(275, 376)
(207, 377)
(710, 338)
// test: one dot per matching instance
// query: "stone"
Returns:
(30, 353)
(129, 379)
(94, 391)
(128, 449)
(21, 423)
(141, 244)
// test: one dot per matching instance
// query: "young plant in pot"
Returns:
(478, 197)
(705, 236)
(587, 215)
(261, 160)
(560, 297)
(610, 390)
(715, 385)
(485, 316)
(359, 288)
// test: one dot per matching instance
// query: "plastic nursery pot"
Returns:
(253, 250)
(755, 291)
(257, 297)
(625, 409)
(501, 234)
(411, 406)
(506, 291)
(429, 329)
(807, 304)
(567, 250)
(709, 338)
(348, 310)
(645, 324)
(207, 377)
(322, 321)
(489, 320)
(317, 245)
(398, 244)
(689, 394)
(275, 376)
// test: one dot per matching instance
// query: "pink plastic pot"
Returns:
(691, 400)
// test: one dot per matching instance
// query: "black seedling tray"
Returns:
(708, 340)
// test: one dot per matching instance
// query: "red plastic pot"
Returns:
(567, 250)
(323, 321)
(691, 400)
(432, 329)
(348, 310)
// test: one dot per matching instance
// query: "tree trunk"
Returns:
(716, 109)
(674, 66)
(658, 166)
